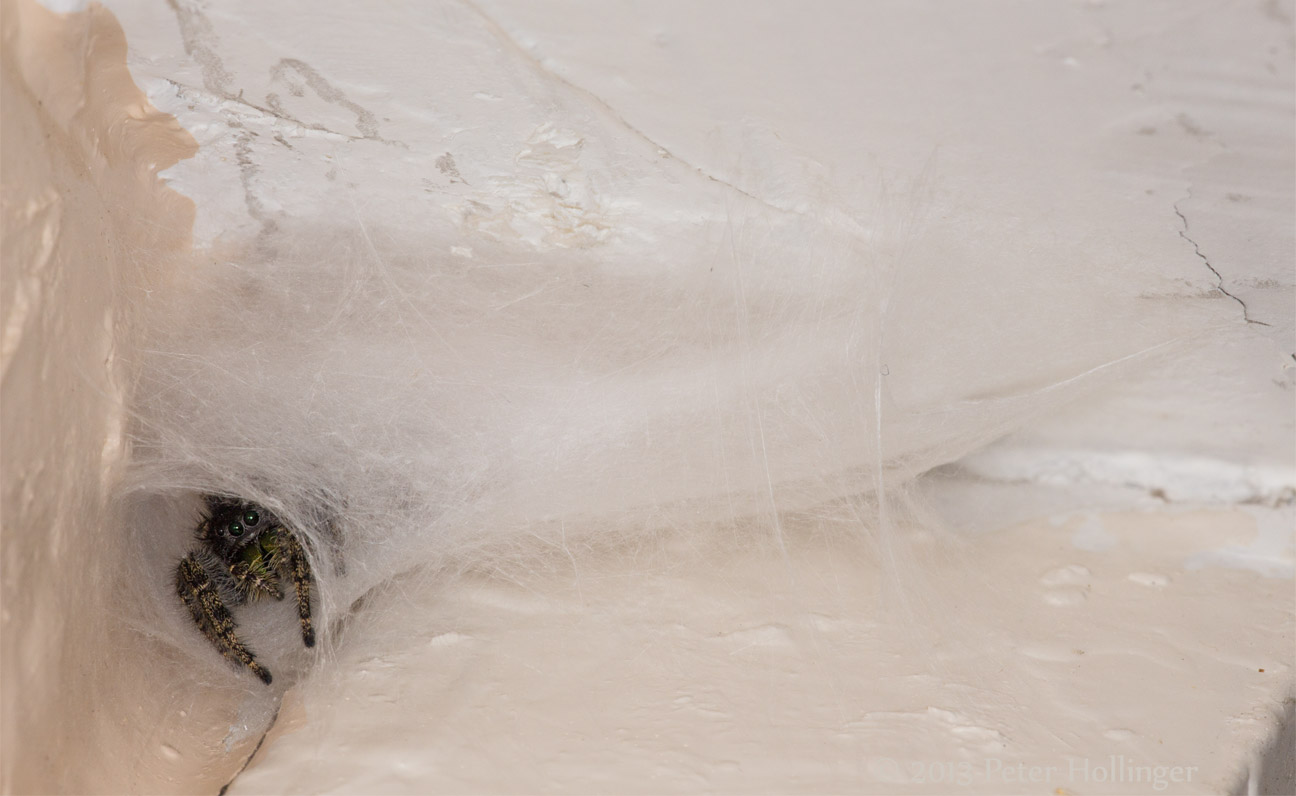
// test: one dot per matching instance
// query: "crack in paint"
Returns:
(200, 42)
(188, 92)
(1219, 278)
(366, 122)
(248, 170)
(504, 36)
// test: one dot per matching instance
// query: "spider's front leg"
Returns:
(252, 582)
(299, 568)
(199, 595)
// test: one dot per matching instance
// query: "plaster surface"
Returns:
(1028, 660)
(1144, 148)
(907, 120)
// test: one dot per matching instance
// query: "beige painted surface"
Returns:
(688, 662)
(1015, 662)
(87, 226)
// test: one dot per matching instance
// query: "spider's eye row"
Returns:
(251, 518)
(235, 529)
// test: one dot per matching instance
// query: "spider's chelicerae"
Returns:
(245, 553)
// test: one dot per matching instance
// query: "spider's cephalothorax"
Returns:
(245, 553)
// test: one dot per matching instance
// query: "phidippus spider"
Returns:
(245, 553)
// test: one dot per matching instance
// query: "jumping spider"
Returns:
(245, 553)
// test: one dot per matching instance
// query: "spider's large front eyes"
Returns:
(235, 529)
(251, 518)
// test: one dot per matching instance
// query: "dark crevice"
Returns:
(260, 742)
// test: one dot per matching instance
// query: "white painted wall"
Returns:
(1162, 156)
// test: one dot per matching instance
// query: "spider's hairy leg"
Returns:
(252, 583)
(210, 614)
(299, 566)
